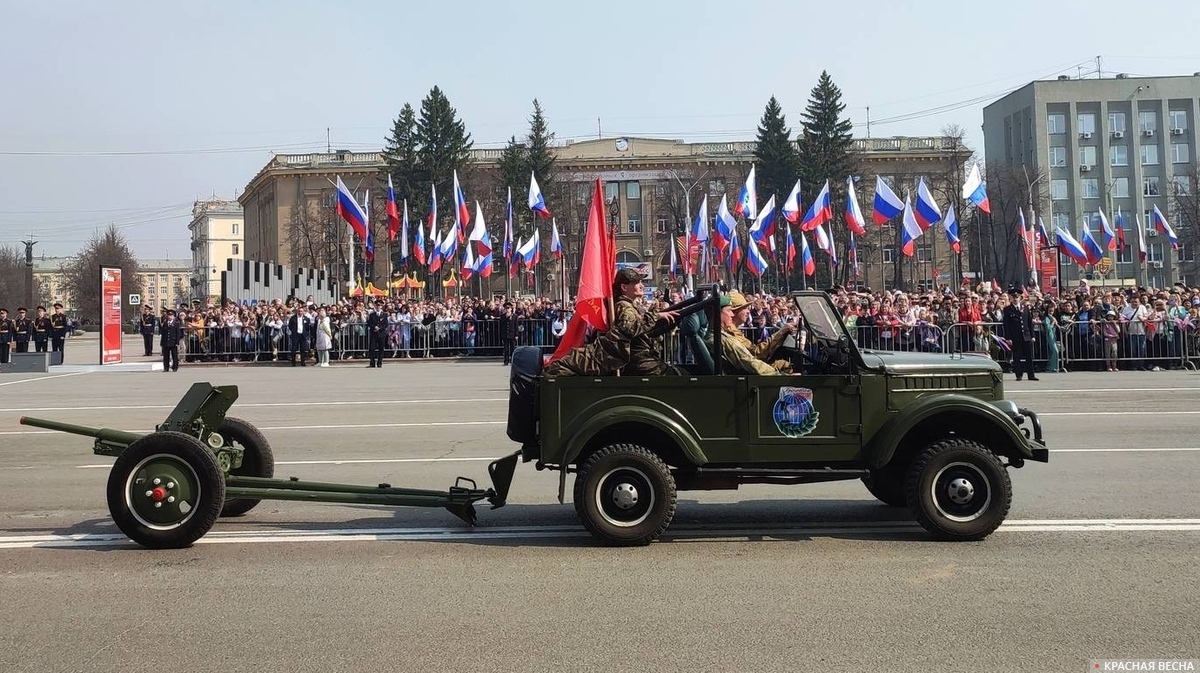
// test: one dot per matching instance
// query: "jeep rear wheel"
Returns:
(625, 495)
(887, 486)
(958, 490)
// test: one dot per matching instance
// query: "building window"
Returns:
(660, 190)
(660, 225)
(162, 290)
(1179, 120)
(611, 190)
(1058, 156)
(925, 253)
(635, 224)
(1058, 190)
(1147, 122)
(625, 257)
(1150, 186)
(633, 190)
(327, 199)
(889, 180)
(1182, 184)
(1087, 155)
(1187, 252)
(1149, 155)
(1154, 252)
(1056, 124)
(235, 228)
(1089, 188)
(716, 188)
(1120, 188)
(1118, 155)
(1086, 122)
(889, 254)
(1180, 153)
(1116, 122)
(1060, 220)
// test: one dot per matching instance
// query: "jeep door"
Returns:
(803, 418)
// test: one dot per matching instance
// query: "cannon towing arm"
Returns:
(166, 488)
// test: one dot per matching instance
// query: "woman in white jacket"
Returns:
(324, 338)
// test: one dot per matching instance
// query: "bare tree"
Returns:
(1187, 217)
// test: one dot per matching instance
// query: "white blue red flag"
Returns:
(755, 260)
(479, 235)
(1043, 236)
(820, 212)
(555, 243)
(530, 252)
(950, 225)
(369, 247)
(672, 266)
(763, 230)
(975, 190)
(462, 214)
(725, 226)
(536, 203)
(747, 203)
(825, 242)
(926, 209)
(807, 263)
(393, 214)
(435, 258)
(1120, 227)
(1160, 223)
(789, 251)
(419, 243)
(1070, 247)
(852, 253)
(734, 257)
(1091, 249)
(404, 233)
(350, 210)
(508, 229)
(1141, 239)
(910, 232)
(854, 216)
(887, 204)
(1106, 230)
(432, 218)
(791, 207)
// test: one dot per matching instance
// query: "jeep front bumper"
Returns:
(1037, 446)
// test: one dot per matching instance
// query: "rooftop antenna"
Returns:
(328, 146)
(599, 132)
(1099, 72)
(868, 122)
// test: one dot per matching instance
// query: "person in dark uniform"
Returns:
(170, 334)
(301, 328)
(1018, 328)
(6, 335)
(22, 330)
(58, 330)
(377, 334)
(508, 331)
(146, 325)
(41, 330)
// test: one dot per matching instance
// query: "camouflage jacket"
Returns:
(737, 354)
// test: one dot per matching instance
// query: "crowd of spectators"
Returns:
(1085, 328)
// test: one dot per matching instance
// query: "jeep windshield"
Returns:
(820, 318)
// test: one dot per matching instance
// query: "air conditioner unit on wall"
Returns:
(1176, 132)
(1148, 132)
(1152, 232)
(1085, 135)
(1084, 168)
(1118, 134)
(647, 252)
(1156, 263)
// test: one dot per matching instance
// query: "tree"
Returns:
(775, 154)
(443, 147)
(1186, 220)
(81, 274)
(539, 154)
(14, 281)
(825, 152)
(400, 155)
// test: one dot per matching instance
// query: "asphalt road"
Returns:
(1093, 563)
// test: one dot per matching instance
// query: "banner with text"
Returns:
(110, 315)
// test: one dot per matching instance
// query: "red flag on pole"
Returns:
(595, 278)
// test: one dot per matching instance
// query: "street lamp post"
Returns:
(1033, 274)
(687, 212)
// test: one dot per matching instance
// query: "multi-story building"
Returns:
(217, 235)
(1120, 145)
(165, 282)
(653, 187)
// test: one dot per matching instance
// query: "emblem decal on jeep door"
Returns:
(794, 413)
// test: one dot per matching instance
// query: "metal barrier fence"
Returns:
(1076, 345)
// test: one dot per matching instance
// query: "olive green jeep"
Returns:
(932, 432)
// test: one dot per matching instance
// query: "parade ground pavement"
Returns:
(1094, 562)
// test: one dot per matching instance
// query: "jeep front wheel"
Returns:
(625, 495)
(958, 490)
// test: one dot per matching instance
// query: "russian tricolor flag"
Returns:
(1043, 237)
(762, 231)
(393, 214)
(853, 255)
(462, 214)
(555, 243)
(531, 251)
(825, 243)
(789, 251)
(536, 203)
(1141, 239)
(854, 216)
(747, 203)
(435, 258)
(926, 210)
(479, 234)
(734, 257)
(404, 233)
(1160, 223)
(1091, 249)
(432, 218)
(807, 263)
(819, 212)
(975, 190)
(508, 230)
(887, 204)
(350, 210)
(725, 226)
(1106, 230)
(791, 207)
(910, 232)
(419, 244)
(1070, 247)
(950, 225)
(755, 261)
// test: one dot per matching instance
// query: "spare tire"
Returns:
(523, 394)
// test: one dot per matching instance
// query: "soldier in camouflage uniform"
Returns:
(627, 347)
(738, 354)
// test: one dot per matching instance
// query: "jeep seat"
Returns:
(692, 330)
(523, 394)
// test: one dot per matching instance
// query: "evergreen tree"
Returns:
(400, 155)
(81, 273)
(777, 159)
(825, 151)
(540, 151)
(512, 164)
(443, 146)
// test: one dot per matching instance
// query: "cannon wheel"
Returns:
(165, 490)
(257, 460)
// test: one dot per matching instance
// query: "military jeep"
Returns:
(932, 432)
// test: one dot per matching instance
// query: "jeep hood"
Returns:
(932, 363)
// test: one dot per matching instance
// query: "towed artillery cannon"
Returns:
(167, 488)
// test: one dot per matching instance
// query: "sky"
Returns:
(126, 112)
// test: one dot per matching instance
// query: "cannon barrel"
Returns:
(106, 435)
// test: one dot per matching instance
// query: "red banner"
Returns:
(1048, 270)
(110, 315)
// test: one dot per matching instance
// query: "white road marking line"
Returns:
(1127, 450)
(280, 428)
(682, 532)
(1066, 391)
(1049, 414)
(334, 403)
(43, 378)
